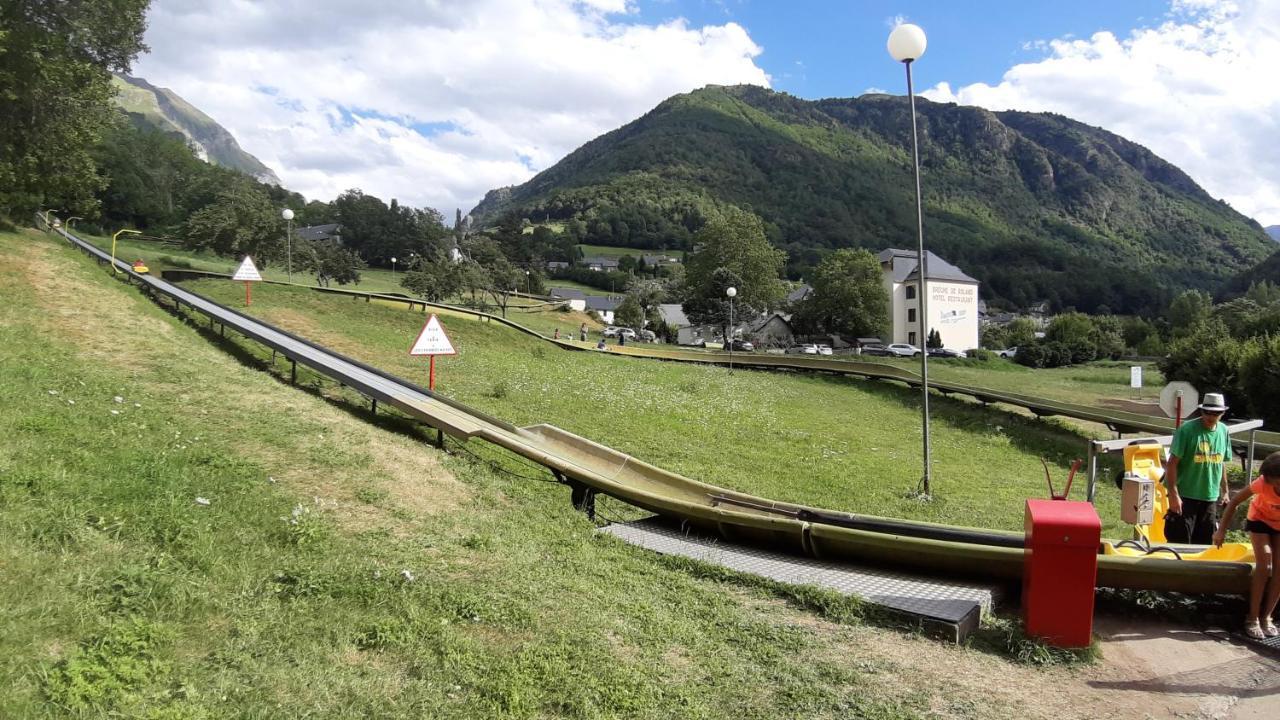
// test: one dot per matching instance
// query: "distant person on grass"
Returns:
(1195, 477)
(1263, 524)
(600, 345)
(557, 335)
(583, 332)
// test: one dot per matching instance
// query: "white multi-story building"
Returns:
(953, 300)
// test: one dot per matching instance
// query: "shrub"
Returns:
(1260, 375)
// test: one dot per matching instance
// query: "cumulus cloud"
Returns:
(429, 102)
(1199, 89)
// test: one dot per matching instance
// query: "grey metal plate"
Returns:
(949, 601)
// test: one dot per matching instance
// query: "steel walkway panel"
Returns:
(951, 605)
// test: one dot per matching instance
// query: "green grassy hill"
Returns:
(185, 535)
(1023, 201)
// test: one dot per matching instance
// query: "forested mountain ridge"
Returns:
(1035, 205)
(164, 110)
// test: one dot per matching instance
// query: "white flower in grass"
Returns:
(53, 392)
(203, 501)
(408, 576)
(115, 412)
(118, 399)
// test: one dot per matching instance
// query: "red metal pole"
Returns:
(431, 382)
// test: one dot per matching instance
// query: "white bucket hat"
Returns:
(1214, 403)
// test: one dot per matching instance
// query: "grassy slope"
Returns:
(122, 595)
(833, 442)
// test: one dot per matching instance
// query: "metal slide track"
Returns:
(735, 516)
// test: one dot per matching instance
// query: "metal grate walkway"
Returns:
(951, 606)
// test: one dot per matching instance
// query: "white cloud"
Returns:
(1199, 90)
(432, 103)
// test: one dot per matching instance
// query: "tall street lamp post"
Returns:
(287, 214)
(732, 293)
(906, 45)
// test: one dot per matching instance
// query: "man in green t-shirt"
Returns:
(1194, 476)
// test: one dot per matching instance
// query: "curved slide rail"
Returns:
(737, 516)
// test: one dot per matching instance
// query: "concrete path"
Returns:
(1178, 672)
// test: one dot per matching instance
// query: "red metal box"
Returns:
(1062, 539)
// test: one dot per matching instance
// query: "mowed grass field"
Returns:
(185, 536)
(833, 442)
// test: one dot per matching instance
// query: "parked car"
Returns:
(1008, 352)
(611, 331)
(946, 353)
(627, 333)
(877, 350)
(903, 350)
(648, 336)
(824, 350)
(807, 349)
(742, 345)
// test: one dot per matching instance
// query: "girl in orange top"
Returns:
(1264, 532)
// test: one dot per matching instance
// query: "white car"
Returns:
(1008, 352)
(903, 350)
(824, 349)
(611, 331)
(627, 333)
(806, 349)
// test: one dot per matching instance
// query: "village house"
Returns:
(603, 306)
(320, 233)
(771, 330)
(953, 300)
(599, 264)
(577, 299)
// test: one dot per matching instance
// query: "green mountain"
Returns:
(161, 108)
(1036, 205)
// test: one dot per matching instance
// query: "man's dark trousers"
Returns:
(1196, 524)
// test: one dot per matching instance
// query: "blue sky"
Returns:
(436, 103)
(825, 48)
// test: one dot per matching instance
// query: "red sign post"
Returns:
(432, 341)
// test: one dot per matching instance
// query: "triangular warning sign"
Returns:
(247, 271)
(432, 340)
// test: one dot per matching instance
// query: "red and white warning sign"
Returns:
(432, 341)
(247, 271)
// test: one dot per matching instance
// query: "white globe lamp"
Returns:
(907, 43)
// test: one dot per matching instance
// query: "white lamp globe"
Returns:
(907, 42)
(731, 292)
(393, 260)
(287, 214)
